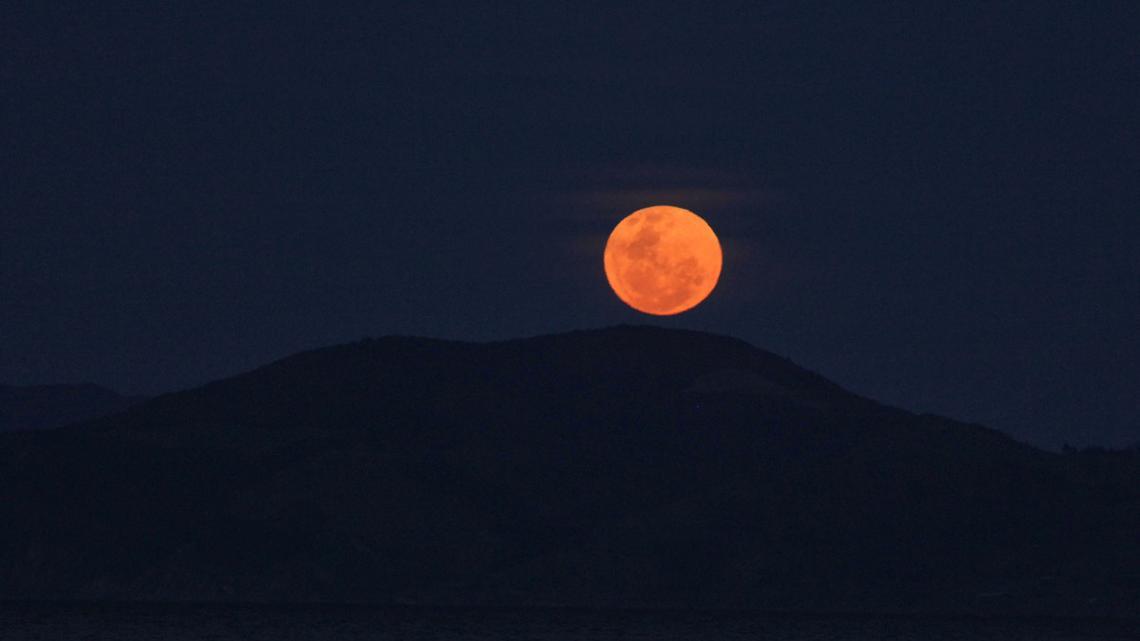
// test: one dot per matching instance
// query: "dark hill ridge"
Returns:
(624, 466)
(37, 407)
(441, 381)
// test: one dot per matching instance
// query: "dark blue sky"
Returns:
(935, 207)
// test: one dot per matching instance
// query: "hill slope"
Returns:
(35, 407)
(625, 466)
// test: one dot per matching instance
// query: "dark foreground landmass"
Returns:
(39, 407)
(618, 467)
(340, 622)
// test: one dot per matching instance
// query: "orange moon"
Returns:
(663, 260)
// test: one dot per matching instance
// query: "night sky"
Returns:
(934, 207)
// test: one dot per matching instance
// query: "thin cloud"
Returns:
(689, 197)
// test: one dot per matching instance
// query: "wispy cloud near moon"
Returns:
(753, 220)
(600, 193)
(689, 197)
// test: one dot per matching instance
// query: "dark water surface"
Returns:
(20, 622)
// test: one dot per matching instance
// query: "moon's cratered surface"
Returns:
(662, 260)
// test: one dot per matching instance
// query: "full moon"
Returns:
(662, 260)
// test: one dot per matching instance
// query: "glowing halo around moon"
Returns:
(663, 260)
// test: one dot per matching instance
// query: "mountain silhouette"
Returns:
(36, 407)
(630, 466)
